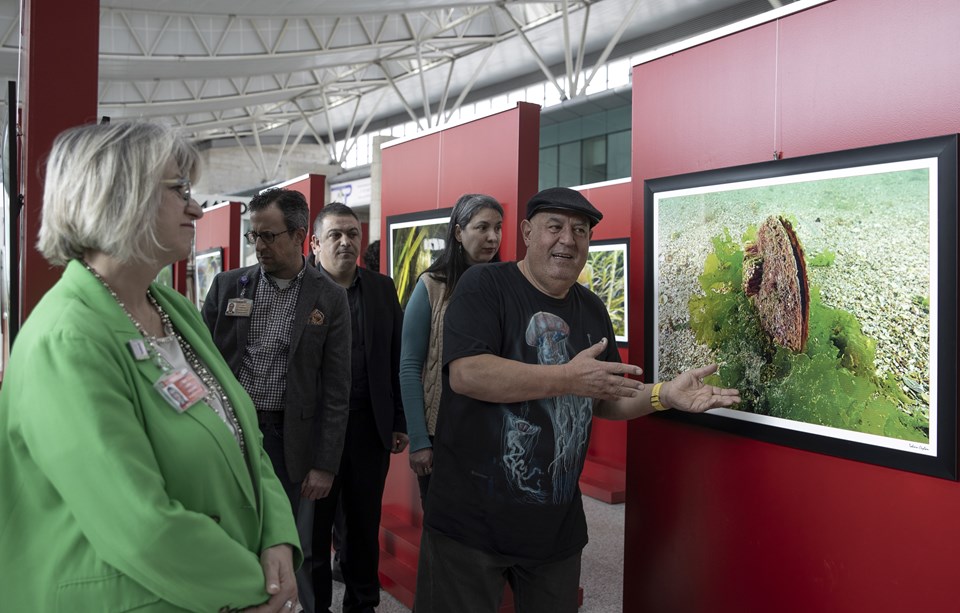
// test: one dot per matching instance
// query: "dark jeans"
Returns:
(359, 490)
(273, 445)
(454, 577)
(272, 428)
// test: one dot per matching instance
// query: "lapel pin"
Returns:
(139, 350)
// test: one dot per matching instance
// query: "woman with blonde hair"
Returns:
(473, 237)
(132, 475)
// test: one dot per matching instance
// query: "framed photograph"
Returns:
(606, 274)
(416, 240)
(208, 265)
(826, 288)
(165, 276)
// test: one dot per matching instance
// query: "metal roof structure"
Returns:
(250, 72)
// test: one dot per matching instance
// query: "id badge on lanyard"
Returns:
(181, 389)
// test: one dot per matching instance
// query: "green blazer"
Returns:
(109, 499)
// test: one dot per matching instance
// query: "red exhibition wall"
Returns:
(604, 473)
(717, 522)
(220, 227)
(496, 155)
(313, 189)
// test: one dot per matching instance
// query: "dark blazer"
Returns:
(382, 327)
(318, 369)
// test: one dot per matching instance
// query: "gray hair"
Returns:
(102, 190)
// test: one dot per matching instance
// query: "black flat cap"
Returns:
(564, 199)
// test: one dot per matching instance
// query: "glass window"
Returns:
(594, 155)
(570, 131)
(549, 135)
(599, 82)
(551, 96)
(618, 119)
(618, 73)
(618, 155)
(568, 166)
(548, 167)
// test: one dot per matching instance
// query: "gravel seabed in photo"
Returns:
(879, 228)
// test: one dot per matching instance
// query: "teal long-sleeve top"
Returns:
(413, 354)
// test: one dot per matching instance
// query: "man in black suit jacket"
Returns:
(376, 426)
(284, 328)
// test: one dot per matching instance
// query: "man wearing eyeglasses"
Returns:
(284, 328)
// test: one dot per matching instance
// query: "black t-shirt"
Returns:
(505, 476)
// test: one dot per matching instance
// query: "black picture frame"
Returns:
(207, 265)
(612, 284)
(415, 240)
(877, 234)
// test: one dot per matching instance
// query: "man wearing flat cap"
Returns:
(528, 360)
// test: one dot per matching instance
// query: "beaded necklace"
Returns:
(214, 389)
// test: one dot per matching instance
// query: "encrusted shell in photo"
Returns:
(775, 279)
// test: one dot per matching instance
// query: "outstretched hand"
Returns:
(689, 393)
(593, 378)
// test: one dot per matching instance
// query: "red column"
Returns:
(59, 90)
(313, 189)
(220, 227)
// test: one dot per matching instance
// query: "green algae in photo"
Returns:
(830, 381)
(816, 292)
(416, 240)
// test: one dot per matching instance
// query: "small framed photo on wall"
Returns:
(416, 241)
(208, 264)
(606, 275)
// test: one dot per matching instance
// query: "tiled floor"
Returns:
(602, 569)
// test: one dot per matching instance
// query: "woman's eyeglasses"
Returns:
(182, 186)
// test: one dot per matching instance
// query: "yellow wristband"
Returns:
(655, 398)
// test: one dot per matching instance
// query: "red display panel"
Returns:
(496, 155)
(718, 522)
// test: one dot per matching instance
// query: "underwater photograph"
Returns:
(815, 293)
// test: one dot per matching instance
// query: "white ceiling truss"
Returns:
(294, 71)
(244, 76)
